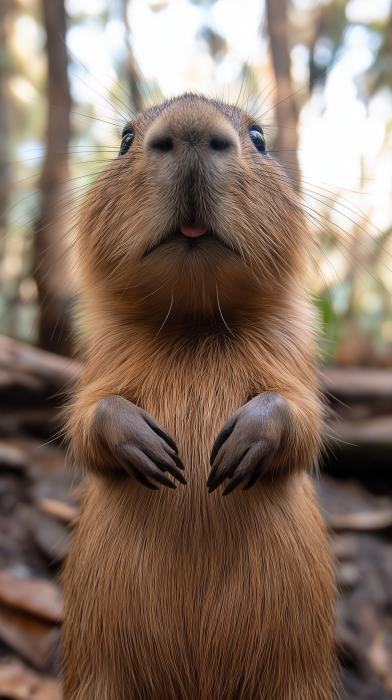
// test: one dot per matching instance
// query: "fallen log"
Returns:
(353, 383)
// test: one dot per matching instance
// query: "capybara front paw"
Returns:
(138, 442)
(249, 441)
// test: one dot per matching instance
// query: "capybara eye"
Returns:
(257, 137)
(126, 142)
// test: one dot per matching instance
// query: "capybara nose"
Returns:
(196, 131)
(164, 142)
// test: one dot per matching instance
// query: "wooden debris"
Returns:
(30, 362)
(17, 682)
(36, 596)
(357, 382)
(58, 509)
(359, 430)
(51, 537)
(380, 660)
(35, 640)
(373, 431)
(365, 520)
(12, 456)
(347, 576)
(344, 547)
(350, 649)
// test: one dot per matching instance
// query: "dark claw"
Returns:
(236, 481)
(217, 481)
(162, 479)
(222, 437)
(257, 474)
(174, 456)
(249, 443)
(160, 431)
(166, 466)
(225, 474)
(211, 476)
(140, 444)
(137, 475)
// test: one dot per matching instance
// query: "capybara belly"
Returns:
(163, 602)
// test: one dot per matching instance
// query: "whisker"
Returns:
(166, 317)
(220, 310)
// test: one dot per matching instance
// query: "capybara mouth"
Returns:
(191, 237)
(193, 231)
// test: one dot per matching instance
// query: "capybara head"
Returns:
(193, 216)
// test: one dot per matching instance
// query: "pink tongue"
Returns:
(193, 231)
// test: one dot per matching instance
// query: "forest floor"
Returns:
(39, 503)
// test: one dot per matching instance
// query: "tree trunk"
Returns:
(389, 44)
(135, 96)
(4, 131)
(52, 239)
(286, 141)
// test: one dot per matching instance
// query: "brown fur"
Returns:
(190, 595)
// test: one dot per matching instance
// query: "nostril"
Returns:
(220, 143)
(164, 144)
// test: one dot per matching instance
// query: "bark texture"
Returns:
(135, 96)
(5, 6)
(286, 142)
(51, 232)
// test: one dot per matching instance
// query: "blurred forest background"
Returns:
(318, 73)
